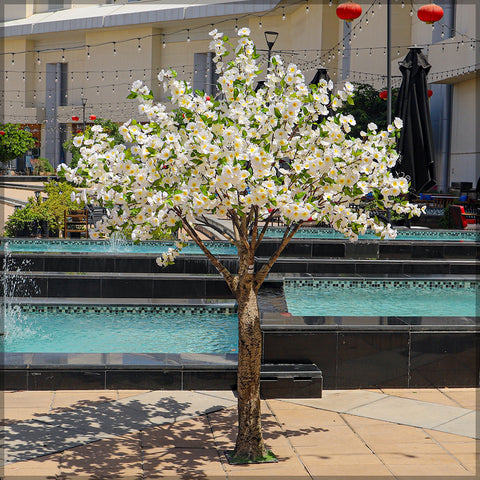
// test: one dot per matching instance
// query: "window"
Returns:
(204, 76)
(55, 5)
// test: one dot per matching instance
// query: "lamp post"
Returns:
(84, 103)
(270, 38)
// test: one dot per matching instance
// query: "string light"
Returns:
(260, 23)
(284, 17)
(307, 8)
(236, 24)
(114, 48)
(13, 59)
(38, 58)
(88, 52)
(163, 42)
(63, 55)
(188, 35)
(139, 46)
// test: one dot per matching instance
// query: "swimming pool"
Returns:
(120, 328)
(104, 246)
(373, 297)
(55, 245)
(402, 234)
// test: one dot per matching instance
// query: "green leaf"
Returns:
(133, 95)
(277, 112)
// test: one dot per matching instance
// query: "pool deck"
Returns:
(347, 434)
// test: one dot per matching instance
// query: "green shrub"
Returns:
(50, 210)
(41, 165)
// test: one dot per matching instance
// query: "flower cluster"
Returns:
(265, 149)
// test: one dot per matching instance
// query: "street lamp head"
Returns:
(270, 38)
(84, 101)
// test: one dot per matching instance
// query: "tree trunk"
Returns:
(249, 445)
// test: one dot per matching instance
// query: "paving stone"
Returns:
(466, 425)
(409, 412)
(341, 400)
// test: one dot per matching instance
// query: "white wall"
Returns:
(465, 157)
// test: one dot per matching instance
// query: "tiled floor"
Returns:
(359, 434)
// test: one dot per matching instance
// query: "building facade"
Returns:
(74, 58)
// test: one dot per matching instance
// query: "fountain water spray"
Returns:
(15, 284)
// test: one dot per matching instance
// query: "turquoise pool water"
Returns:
(402, 234)
(85, 329)
(408, 298)
(219, 247)
(103, 246)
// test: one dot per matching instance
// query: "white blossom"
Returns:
(241, 150)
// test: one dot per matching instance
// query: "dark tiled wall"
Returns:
(350, 359)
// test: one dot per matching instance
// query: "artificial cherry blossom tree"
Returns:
(250, 156)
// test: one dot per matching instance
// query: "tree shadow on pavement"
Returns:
(130, 439)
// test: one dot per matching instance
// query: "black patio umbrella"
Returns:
(415, 144)
(321, 74)
(260, 85)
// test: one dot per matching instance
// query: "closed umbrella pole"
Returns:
(415, 144)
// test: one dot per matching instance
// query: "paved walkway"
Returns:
(362, 434)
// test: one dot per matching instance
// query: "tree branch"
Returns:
(265, 227)
(227, 275)
(263, 272)
(254, 229)
(241, 234)
(205, 222)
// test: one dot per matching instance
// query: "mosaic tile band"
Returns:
(135, 309)
(437, 284)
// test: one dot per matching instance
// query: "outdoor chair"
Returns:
(95, 213)
(462, 219)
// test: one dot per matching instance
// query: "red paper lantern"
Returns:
(429, 93)
(2, 132)
(430, 13)
(75, 118)
(383, 94)
(349, 11)
(93, 117)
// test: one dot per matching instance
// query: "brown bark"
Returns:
(250, 444)
(245, 285)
